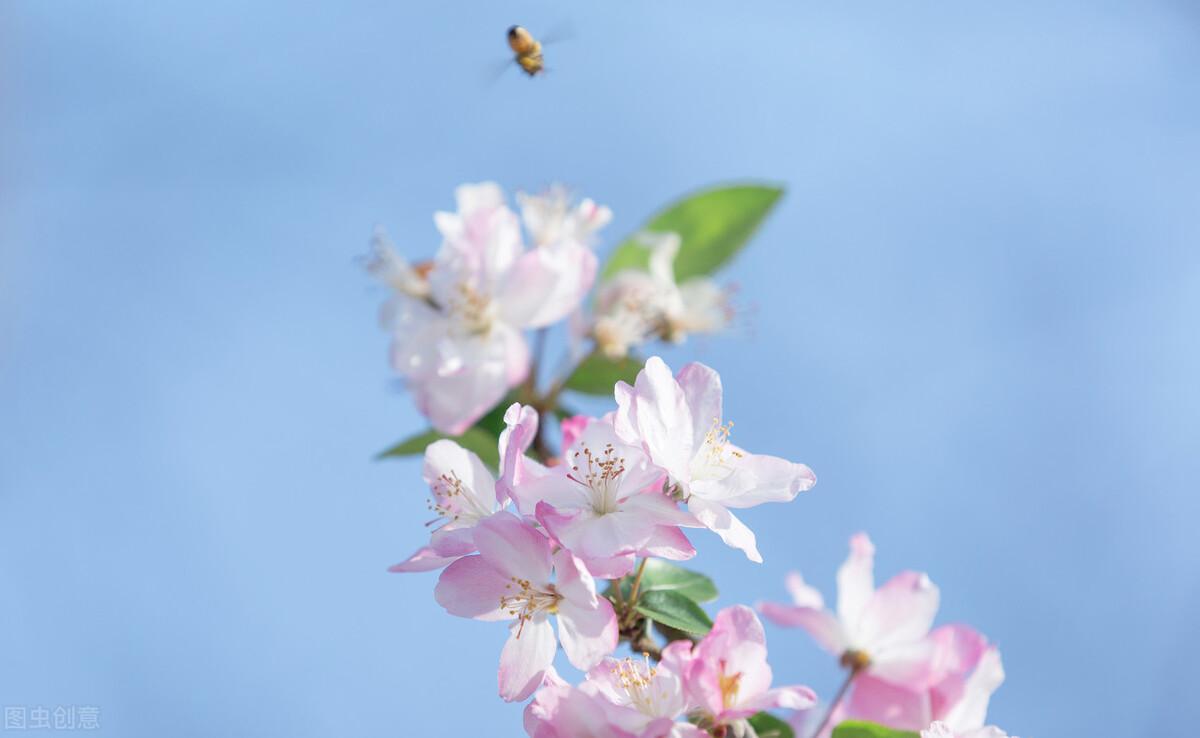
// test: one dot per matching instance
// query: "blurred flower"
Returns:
(635, 306)
(878, 632)
(510, 578)
(457, 329)
(678, 420)
(551, 219)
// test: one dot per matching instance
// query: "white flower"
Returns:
(635, 306)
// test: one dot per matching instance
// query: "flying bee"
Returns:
(527, 51)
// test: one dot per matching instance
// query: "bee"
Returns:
(527, 51)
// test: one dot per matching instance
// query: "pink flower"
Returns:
(510, 579)
(653, 694)
(605, 503)
(964, 672)
(727, 675)
(622, 697)
(880, 632)
(559, 710)
(457, 335)
(463, 493)
(678, 421)
(572, 428)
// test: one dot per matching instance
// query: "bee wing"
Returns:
(495, 71)
(559, 32)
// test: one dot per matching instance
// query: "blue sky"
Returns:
(974, 315)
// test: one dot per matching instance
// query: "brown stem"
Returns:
(637, 581)
(841, 694)
(647, 645)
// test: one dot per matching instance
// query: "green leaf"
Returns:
(674, 610)
(483, 443)
(860, 729)
(767, 725)
(713, 225)
(597, 374)
(671, 634)
(660, 576)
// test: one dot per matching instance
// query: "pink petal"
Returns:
(767, 479)
(802, 594)
(525, 658)
(545, 284)
(718, 519)
(668, 542)
(788, 698)
(587, 634)
(520, 427)
(453, 542)
(664, 421)
(820, 624)
(574, 582)
(908, 664)
(447, 458)
(472, 588)
(882, 702)
(514, 548)
(701, 387)
(900, 612)
(971, 711)
(572, 428)
(856, 580)
(425, 559)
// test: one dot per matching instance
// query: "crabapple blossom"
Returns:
(678, 420)
(878, 633)
(654, 694)
(559, 710)
(727, 675)
(457, 330)
(634, 305)
(605, 503)
(515, 576)
(463, 493)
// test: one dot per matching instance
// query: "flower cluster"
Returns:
(525, 531)
(529, 544)
(457, 321)
(694, 690)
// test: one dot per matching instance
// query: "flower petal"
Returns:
(820, 624)
(900, 612)
(664, 421)
(758, 478)
(587, 635)
(514, 548)
(856, 581)
(718, 519)
(525, 658)
(701, 387)
(471, 588)
(425, 559)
